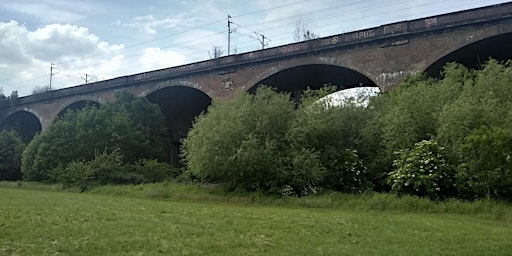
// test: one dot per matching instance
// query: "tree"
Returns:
(407, 115)
(303, 33)
(41, 89)
(334, 135)
(11, 149)
(216, 52)
(240, 142)
(5, 101)
(132, 126)
(261, 142)
(485, 100)
(486, 168)
(2, 95)
(352, 148)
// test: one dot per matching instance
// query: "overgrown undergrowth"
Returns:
(488, 209)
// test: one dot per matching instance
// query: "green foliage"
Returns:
(108, 168)
(260, 142)
(486, 100)
(446, 110)
(6, 101)
(41, 89)
(351, 148)
(486, 168)
(130, 125)
(422, 171)
(408, 114)
(303, 175)
(105, 168)
(11, 149)
(350, 175)
(241, 142)
(334, 135)
(151, 171)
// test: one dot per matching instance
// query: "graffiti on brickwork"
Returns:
(360, 35)
(395, 28)
(293, 48)
(390, 79)
(430, 22)
(330, 40)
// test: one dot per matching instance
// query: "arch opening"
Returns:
(77, 106)
(180, 105)
(297, 79)
(475, 54)
(359, 95)
(26, 124)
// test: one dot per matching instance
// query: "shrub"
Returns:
(349, 174)
(241, 142)
(486, 169)
(108, 168)
(105, 168)
(422, 171)
(11, 149)
(132, 125)
(151, 171)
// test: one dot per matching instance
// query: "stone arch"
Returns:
(180, 105)
(475, 54)
(77, 105)
(145, 91)
(295, 79)
(24, 122)
(73, 103)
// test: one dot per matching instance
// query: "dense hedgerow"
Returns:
(261, 142)
(429, 137)
(127, 131)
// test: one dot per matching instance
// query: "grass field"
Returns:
(37, 222)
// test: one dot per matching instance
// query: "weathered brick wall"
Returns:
(385, 54)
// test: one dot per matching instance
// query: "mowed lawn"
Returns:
(60, 223)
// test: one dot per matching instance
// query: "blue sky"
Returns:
(105, 39)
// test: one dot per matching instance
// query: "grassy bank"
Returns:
(36, 222)
(370, 202)
(193, 220)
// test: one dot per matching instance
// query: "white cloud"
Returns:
(45, 12)
(155, 58)
(11, 37)
(75, 52)
(26, 55)
(57, 41)
(149, 24)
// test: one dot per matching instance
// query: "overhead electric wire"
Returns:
(157, 39)
(269, 9)
(276, 38)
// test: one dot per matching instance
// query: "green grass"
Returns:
(366, 202)
(47, 222)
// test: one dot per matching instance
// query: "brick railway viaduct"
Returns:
(381, 56)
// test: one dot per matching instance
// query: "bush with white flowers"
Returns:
(422, 171)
